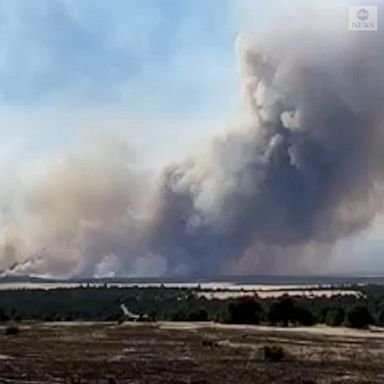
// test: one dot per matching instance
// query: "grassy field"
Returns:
(186, 353)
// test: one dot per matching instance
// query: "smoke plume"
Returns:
(303, 169)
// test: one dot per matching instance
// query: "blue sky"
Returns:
(145, 53)
(147, 63)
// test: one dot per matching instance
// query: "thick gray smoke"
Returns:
(304, 168)
(305, 171)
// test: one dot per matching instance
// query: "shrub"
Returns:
(380, 316)
(209, 343)
(12, 330)
(334, 317)
(198, 315)
(245, 311)
(287, 311)
(302, 316)
(281, 311)
(178, 315)
(359, 317)
(274, 353)
(3, 316)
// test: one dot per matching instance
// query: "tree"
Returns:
(359, 317)
(245, 311)
(3, 316)
(302, 316)
(380, 315)
(198, 315)
(334, 317)
(178, 315)
(281, 311)
(286, 311)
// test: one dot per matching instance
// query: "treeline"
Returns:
(183, 304)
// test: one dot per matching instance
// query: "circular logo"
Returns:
(362, 14)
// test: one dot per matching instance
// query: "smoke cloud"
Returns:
(78, 213)
(303, 169)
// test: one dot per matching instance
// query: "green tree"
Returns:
(359, 317)
(302, 316)
(178, 315)
(198, 315)
(334, 317)
(281, 311)
(3, 316)
(245, 311)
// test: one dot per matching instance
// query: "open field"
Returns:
(187, 353)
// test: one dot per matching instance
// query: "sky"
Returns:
(159, 71)
(162, 74)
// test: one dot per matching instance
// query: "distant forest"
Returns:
(88, 303)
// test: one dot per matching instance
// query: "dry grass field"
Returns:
(107, 353)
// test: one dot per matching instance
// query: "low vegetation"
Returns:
(274, 353)
(12, 330)
(185, 304)
(107, 354)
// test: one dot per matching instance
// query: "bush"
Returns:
(274, 353)
(209, 343)
(380, 316)
(359, 317)
(281, 311)
(178, 315)
(11, 330)
(3, 316)
(334, 317)
(245, 311)
(198, 315)
(302, 316)
(287, 311)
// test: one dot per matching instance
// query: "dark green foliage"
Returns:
(178, 315)
(302, 316)
(3, 316)
(12, 330)
(184, 304)
(198, 315)
(335, 317)
(245, 311)
(359, 317)
(380, 315)
(274, 353)
(286, 311)
(281, 311)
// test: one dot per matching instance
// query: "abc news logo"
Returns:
(362, 18)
